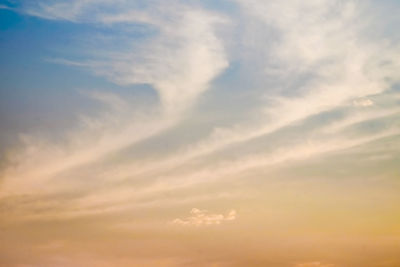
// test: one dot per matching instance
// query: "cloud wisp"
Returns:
(340, 64)
(204, 218)
(244, 95)
(179, 63)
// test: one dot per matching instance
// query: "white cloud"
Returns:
(363, 102)
(203, 218)
(179, 61)
(327, 48)
(62, 10)
(319, 43)
(316, 74)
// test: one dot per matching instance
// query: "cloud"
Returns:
(61, 10)
(5, 7)
(313, 64)
(179, 62)
(204, 218)
(314, 264)
(326, 50)
(246, 95)
(337, 62)
(364, 102)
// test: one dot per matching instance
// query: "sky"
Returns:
(199, 133)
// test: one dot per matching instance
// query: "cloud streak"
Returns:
(246, 94)
(204, 218)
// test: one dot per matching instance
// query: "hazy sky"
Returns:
(200, 133)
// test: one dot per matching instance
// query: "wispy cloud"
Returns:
(203, 218)
(179, 63)
(5, 7)
(332, 56)
(364, 102)
(302, 82)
